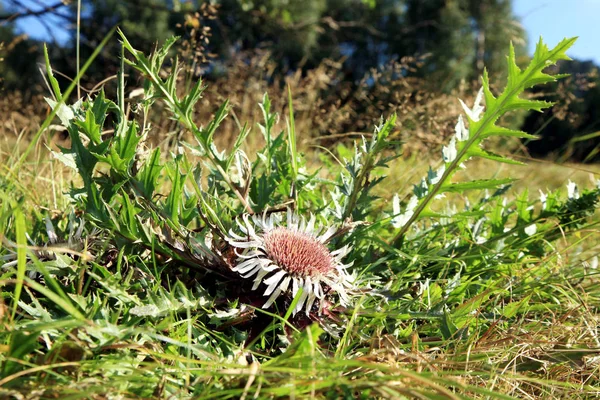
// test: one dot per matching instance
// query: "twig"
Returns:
(31, 13)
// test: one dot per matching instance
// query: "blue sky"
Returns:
(552, 19)
(34, 28)
(557, 19)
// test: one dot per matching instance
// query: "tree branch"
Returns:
(32, 13)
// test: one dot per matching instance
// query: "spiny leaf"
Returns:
(149, 173)
(292, 137)
(501, 131)
(524, 104)
(478, 184)
(484, 125)
(206, 135)
(479, 152)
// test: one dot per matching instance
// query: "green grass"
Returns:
(104, 292)
(75, 340)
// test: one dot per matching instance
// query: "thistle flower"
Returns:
(287, 258)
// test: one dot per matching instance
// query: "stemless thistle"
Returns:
(287, 258)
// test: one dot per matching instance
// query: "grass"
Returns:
(109, 313)
(550, 350)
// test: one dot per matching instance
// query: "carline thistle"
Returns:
(290, 256)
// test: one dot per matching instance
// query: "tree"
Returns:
(569, 130)
(460, 36)
(18, 57)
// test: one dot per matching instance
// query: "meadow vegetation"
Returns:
(125, 217)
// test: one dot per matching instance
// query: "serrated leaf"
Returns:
(523, 104)
(449, 152)
(513, 70)
(460, 131)
(90, 127)
(173, 203)
(126, 145)
(149, 173)
(64, 112)
(501, 131)
(67, 159)
(129, 213)
(477, 184)
(195, 94)
(490, 99)
(206, 135)
(236, 146)
(100, 106)
(158, 57)
(483, 126)
(479, 152)
(540, 78)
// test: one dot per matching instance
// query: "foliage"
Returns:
(570, 128)
(482, 124)
(16, 70)
(459, 35)
(132, 283)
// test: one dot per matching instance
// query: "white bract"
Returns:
(572, 190)
(449, 152)
(461, 131)
(474, 113)
(400, 219)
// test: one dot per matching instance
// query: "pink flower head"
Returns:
(287, 258)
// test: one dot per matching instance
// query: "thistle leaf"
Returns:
(482, 124)
(477, 184)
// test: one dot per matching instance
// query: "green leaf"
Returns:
(126, 145)
(90, 127)
(471, 306)
(303, 350)
(128, 216)
(206, 135)
(21, 257)
(291, 128)
(100, 107)
(236, 146)
(53, 82)
(479, 152)
(501, 131)
(158, 57)
(173, 203)
(149, 173)
(514, 308)
(190, 100)
(478, 184)
(447, 327)
(523, 211)
(21, 344)
(483, 125)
